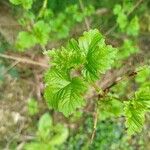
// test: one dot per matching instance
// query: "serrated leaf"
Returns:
(63, 93)
(27, 4)
(99, 56)
(67, 58)
(143, 75)
(142, 96)
(78, 63)
(135, 110)
(134, 118)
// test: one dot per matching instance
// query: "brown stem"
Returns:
(23, 60)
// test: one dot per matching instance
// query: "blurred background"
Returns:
(22, 69)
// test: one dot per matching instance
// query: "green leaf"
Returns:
(15, 2)
(32, 106)
(25, 40)
(135, 110)
(44, 127)
(67, 58)
(142, 96)
(117, 9)
(41, 32)
(60, 136)
(38, 146)
(143, 75)
(133, 27)
(27, 4)
(122, 20)
(110, 107)
(63, 93)
(134, 118)
(99, 56)
(80, 62)
(128, 48)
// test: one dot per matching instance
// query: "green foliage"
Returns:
(25, 40)
(49, 136)
(77, 66)
(27, 4)
(110, 133)
(122, 19)
(133, 27)
(144, 75)
(32, 106)
(73, 68)
(135, 110)
(64, 94)
(127, 49)
(44, 127)
(47, 25)
(130, 27)
(41, 32)
(110, 107)
(38, 35)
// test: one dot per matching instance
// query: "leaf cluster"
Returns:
(135, 110)
(48, 136)
(130, 27)
(74, 68)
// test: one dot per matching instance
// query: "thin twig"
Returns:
(130, 75)
(129, 13)
(95, 124)
(10, 67)
(85, 19)
(23, 60)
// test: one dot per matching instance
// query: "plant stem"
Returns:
(85, 19)
(23, 60)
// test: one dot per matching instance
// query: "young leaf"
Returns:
(62, 93)
(38, 146)
(41, 32)
(133, 27)
(143, 75)
(27, 4)
(117, 9)
(128, 48)
(25, 40)
(134, 118)
(44, 126)
(135, 110)
(15, 2)
(99, 56)
(110, 107)
(122, 20)
(32, 106)
(67, 58)
(143, 97)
